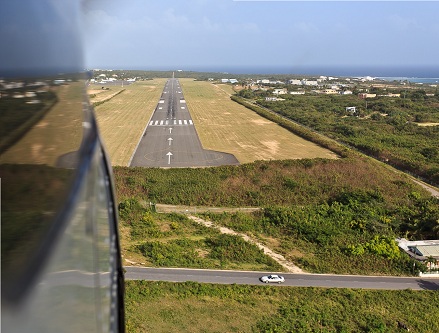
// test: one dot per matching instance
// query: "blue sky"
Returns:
(227, 34)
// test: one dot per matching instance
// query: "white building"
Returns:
(295, 82)
(351, 109)
(281, 91)
(310, 83)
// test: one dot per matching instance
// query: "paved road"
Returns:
(297, 280)
(170, 138)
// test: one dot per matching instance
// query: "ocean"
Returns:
(423, 80)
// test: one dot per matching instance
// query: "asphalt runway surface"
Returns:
(170, 138)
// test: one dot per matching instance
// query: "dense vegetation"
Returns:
(351, 234)
(172, 240)
(385, 128)
(171, 307)
(263, 183)
(327, 215)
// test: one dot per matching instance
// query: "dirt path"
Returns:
(289, 266)
(162, 208)
(433, 190)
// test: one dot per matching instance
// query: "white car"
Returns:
(272, 278)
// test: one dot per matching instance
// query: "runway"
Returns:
(170, 138)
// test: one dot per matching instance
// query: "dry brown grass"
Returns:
(226, 126)
(222, 124)
(123, 118)
(97, 94)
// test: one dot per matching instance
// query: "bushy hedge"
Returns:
(354, 233)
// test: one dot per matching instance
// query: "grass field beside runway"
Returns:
(123, 117)
(222, 124)
(226, 126)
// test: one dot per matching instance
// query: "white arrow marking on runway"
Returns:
(169, 157)
(170, 130)
(170, 140)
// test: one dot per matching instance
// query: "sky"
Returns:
(234, 36)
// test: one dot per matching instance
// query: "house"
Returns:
(366, 95)
(310, 83)
(329, 91)
(273, 99)
(281, 91)
(424, 250)
(346, 92)
(301, 92)
(295, 82)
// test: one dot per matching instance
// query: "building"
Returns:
(366, 95)
(295, 82)
(426, 251)
(329, 92)
(273, 99)
(279, 91)
(310, 83)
